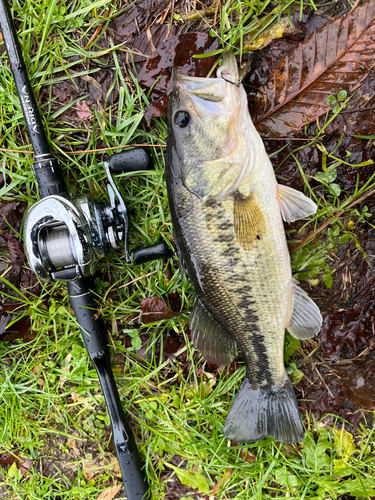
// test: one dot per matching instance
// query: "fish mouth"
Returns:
(208, 89)
(228, 70)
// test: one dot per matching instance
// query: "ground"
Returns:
(56, 437)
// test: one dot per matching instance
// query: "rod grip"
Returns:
(94, 336)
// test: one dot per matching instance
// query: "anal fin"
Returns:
(305, 319)
(209, 339)
(293, 204)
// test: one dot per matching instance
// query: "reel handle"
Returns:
(153, 252)
(131, 160)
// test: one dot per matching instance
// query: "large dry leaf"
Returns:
(336, 57)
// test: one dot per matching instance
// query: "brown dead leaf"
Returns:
(135, 19)
(338, 56)
(8, 459)
(247, 456)
(18, 330)
(176, 51)
(25, 465)
(155, 309)
(359, 383)
(72, 445)
(11, 215)
(149, 40)
(90, 469)
(109, 493)
(222, 481)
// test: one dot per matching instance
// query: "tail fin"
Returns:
(257, 413)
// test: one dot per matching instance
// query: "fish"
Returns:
(227, 213)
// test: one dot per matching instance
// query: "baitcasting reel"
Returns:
(65, 238)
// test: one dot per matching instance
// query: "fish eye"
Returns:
(181, 119)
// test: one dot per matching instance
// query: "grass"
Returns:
(52, 409)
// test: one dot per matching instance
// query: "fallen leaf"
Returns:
(149, 40)
(170, 346)
(90, 468)
(18, 330)
(247, 456)
(135, 19)
(8, 459)
(15, 249)
(109, 493)
(336, 57)
(222, 480)
(25, 465)
(276, 30)
(155, 309)
(175, 52)
(11, 215)
(359, 383)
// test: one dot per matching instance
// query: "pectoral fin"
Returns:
(210, 340)
(294, 204)
(248, 220)
(305, 319)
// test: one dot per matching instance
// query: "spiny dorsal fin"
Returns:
(294, 204)
(210, 340)
(305, 319)
(248, 220)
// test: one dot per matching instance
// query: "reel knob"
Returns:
(131, 160)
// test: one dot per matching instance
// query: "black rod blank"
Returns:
(46, 167)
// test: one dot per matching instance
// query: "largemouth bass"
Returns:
(227, 211)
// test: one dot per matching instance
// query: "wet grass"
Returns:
(52, 410)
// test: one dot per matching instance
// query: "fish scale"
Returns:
(227, 210)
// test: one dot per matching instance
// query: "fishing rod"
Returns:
(65, 237)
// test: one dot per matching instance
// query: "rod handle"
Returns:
(93, 332)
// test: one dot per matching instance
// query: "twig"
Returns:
(208, 11)
(136, 279)
(98, 29)
(322, 379)
(328, 222)
(264, 138)
(89, 150)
